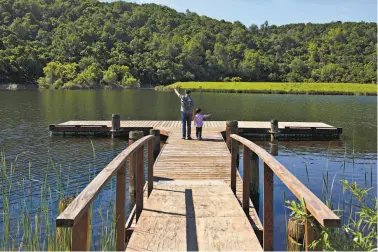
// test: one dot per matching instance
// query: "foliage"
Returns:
(297, 209)
(161, 46)
(85, 75)
(359, 233)
(236, 79)
(276, 87)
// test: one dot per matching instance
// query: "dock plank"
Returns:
(252, 129)
(207, 124)
(193, 216)
(216, 216)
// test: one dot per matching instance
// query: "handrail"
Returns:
(76, 215)
(322, 214)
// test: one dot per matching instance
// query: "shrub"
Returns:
(130, 82)
(236, 79)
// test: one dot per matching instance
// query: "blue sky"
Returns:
(277, 11)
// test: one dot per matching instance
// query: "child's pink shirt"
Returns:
(198, 119)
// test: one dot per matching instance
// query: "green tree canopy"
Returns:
(92, 44)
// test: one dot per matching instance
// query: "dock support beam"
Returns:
(133, 136)
(140, 182)
(116, 125)
(273, 148)
(268, 209)
(231, 128)
(273, 130)
(120, 209)
(156, 134)
(234, 163)
(246, 179)
(254, 186)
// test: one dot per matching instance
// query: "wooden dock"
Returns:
(193, 187)
(256, 130)
(194, 198)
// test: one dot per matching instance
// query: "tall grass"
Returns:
(358, 211)
(28, 221)
(276, 87)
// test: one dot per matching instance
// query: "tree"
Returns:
(89, 78)
(251, 67)
(160, 46)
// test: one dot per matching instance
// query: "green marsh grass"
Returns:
(29, 222)
(358, 212)
(276, 87)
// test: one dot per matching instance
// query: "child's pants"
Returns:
(199, 132)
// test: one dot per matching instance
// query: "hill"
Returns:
(89, 44)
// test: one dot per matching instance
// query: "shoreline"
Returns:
(15, 87)
(182, 86)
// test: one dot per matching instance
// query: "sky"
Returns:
(277, 12)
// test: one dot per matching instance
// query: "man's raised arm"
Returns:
(178, 94)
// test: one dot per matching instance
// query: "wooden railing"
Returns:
(320, 212)
(77, 214)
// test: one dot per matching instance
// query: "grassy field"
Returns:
(276, 87)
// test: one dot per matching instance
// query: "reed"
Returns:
(29, 222)
(358, 212)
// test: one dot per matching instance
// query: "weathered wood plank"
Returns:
(207, 124)
(81, 204)
(181, 216)
(268, 209)
(150, 174)
(246, 178)
(316, 207)
(120, 209)
(140, 183)
(81, 234)
(197, 160)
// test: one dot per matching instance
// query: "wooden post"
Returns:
(268, 214)
(120, 209)
(80, 233)
(156, 133)
(301, 233)
(64, 234)
(273, 147)
(295, 234)
(234, 157)
(312, 233)
(273, 129)
(116, 125)
(150, 173)
(246, 178)
(254, 187)
(231, 128)
(139, 182)
(133, 136)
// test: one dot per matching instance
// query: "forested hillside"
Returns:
(89, 44)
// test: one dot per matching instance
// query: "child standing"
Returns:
(198, 121)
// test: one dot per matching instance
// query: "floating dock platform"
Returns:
(255, 130)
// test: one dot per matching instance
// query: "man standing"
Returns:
(187, 110)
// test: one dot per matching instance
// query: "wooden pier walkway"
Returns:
(192, 206)
(194, 198)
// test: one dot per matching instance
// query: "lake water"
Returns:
(25, 140)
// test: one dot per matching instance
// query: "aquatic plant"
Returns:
(359, 232)
(28, 223)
